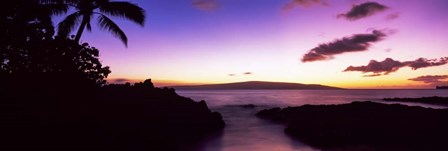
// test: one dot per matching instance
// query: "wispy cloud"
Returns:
(423, 62)
(354, 43)
(304, 3)
(206, 5)
(432, 79)
(392, 16)
(378, 68)
(390, 65)
(244, 73)
(363, 10)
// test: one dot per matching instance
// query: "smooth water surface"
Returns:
(300, 97)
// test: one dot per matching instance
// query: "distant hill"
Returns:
(441, 87)
(253, 85)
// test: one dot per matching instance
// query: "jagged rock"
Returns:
(248, 106)
(116, 117)
(365, 126)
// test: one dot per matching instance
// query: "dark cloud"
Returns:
(389, 65)
(378, 68)
(357, 42)
(244, 73)
(392, 16)
(304, 3)
(423, 62)
(206, 5)
(363, 10)
(432, 79)
(372, 75)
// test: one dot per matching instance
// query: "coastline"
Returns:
(364, 125)
(113, 117)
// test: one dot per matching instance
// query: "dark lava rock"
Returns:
(114, 117)
(248, 106)
(435, 100)
(273, 113)
(365, 126)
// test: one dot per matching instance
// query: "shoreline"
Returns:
(433, 100)
(364, 125)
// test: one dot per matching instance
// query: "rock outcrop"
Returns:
(114, 117)
(365, 126)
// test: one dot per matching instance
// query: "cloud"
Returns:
(432, 79)
(363, 10)
(206, 5)
(354, 43)
(423, 63)
(378, 68)
(392, 16)
(244, 73)
(304, 3)
(389, 65)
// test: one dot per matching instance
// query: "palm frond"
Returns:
(66, 26)
(51, 1)
(106, 23)
(55, 9)
(125, 10)
(73, 3)
(89, 27)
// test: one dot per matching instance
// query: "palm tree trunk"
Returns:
(85, 20)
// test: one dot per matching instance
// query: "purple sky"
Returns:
(218, 41)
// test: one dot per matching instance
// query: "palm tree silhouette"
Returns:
(87, 9)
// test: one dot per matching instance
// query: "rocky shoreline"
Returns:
(364, 126)
(435, 100)
(115, 117)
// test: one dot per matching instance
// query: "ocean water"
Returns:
(246, 132)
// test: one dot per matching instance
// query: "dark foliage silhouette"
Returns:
(87, 9)
(21, 22)
(29, 51)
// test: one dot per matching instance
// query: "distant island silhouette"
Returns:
(441, 87)
(255, 85)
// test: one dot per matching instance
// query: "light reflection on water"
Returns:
(244, 131)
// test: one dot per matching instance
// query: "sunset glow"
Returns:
(224, 41)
